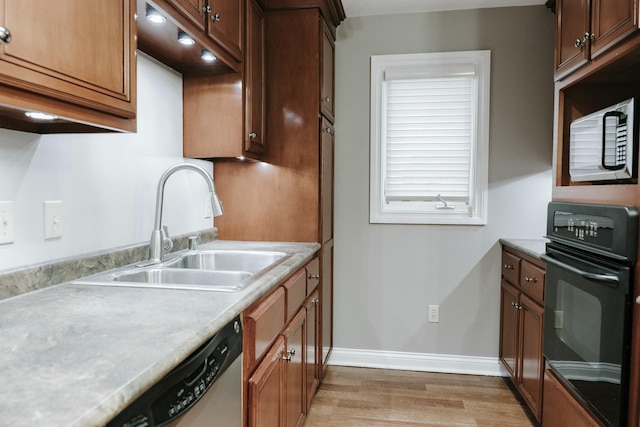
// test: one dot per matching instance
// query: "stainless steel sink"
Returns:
(222, 260)
(210, 270)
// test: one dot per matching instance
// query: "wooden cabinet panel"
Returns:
(296, 291)
(510, 267)
(326, 180)
(509, 332)
(312, 356)
(532, 281)
(263, 323)
(327, 91)
(76, 62)
(326, 301)
(313, 275)
(560, 409)
(612, 21)
(254, 135)
(225, 25)
(531, 366)
(266, 389)
(571, 24)
(195, 10)
(295, 369)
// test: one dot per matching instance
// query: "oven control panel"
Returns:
(607, 230)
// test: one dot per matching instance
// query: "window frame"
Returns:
(431, 212)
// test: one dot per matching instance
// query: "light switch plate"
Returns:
(6, 223)
(53, 220)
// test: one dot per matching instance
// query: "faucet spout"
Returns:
(159, 239)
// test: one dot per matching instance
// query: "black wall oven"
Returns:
(589, 301)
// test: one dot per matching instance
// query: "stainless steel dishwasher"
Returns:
(204, 390)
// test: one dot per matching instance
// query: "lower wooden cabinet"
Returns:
(560, 408)
(282, 352)
(522, 326)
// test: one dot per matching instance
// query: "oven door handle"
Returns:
(605, 278)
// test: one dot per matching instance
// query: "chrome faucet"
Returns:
(159, 238)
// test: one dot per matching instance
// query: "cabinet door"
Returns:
(572, 23)
(266, 389)
(611, 21)
(560, 408)
(531, 363)
(81, 52)
(312, 356)
(508, 352)
(225, 25)
(327, 79)
(295, 369)
(326, 301)
(254, 81)
(195, 10)
(326, 180)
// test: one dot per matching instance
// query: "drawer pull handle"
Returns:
(315, 301)
(313, 276)
(289, 355)
(508, 267)
(5, 35)
(530, 279)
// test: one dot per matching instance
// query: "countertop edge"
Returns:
(531, 247)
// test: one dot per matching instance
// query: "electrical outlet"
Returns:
(207, 207)
(6, 222)
(434, 313)
(558, 319)
(53, 220)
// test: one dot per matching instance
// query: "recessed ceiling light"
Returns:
(207, 56)
(185, 38)
(39, 116)
(155, 16)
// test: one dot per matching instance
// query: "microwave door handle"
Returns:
(618, 115)
(609, 279)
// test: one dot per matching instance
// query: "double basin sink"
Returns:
(211, 270)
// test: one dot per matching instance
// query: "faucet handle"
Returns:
(193, 243)
(167, 243)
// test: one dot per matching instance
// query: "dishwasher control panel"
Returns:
(181, 388)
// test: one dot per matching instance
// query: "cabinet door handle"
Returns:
(289, 355)
(328, 130)
(326, 99)
(315, 301)
(508, 267)
(253, 135)
(5, 35)
(530, 279)
(206, 9)
(215, 17)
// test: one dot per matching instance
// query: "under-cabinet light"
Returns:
(39, 116)
(155, 16)
(207, 56)
(185, 38)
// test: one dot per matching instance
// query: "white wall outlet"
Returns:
(434, 313)
(53, 220)
(558, 319)
(6, 223)
(207, 206)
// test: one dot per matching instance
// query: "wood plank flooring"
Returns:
(379, 397)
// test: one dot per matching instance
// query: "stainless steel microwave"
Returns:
(601, 145)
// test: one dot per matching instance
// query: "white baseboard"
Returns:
(417, 362)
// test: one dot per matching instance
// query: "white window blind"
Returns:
(429, 138)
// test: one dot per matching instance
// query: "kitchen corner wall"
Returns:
(106, 182)
(386, 276)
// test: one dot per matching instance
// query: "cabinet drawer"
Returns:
(510, 267)
(313, 275)
(264, 322)
(532, 281)
(296, 290)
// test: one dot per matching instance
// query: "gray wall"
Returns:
(387, 275)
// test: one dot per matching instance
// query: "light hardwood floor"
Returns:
(380, 397)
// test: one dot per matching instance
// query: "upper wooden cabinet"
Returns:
(221, 20)
(585, 29)
(75, 61)
(254, 88)
(327, 90)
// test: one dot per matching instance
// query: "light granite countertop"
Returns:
(76, 355)
(531, 247)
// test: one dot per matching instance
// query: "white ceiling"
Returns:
(386, 7)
